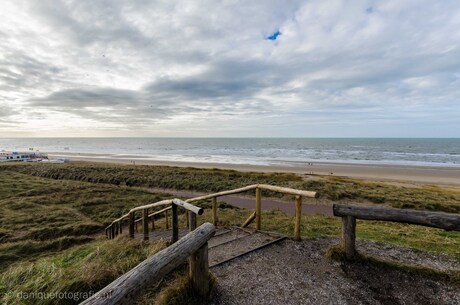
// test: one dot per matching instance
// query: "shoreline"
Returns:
(376, 172)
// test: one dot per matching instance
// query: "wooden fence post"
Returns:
(192, 221)
(145, 223)
(258, 208)
(121, 226)
(199, 270)
(187, 217)
(349, 236)
(175, 223)
(298, 217)
(214, 211)
(131, 225)
(166, 220)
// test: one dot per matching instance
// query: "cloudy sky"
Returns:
(215, 68)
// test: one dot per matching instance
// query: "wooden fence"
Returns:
(193, 246)
(115, 227)
(350, 213)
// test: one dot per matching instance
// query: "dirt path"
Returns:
(299, 273)
(268, 204)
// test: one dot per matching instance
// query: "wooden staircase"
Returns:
(227, 244)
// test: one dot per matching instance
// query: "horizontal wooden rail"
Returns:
(188, 206)
(224, 193)
(287, 190)
(155, 213)
(152, 270)
(440, 220)
(350, 213)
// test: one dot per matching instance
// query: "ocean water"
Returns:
(259, 151)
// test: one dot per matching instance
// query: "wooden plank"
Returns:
(175, 224)
(131, 225)
(249, 220)
(287, 190)
(298, 217)
(188, 206)
(130, 285)
(258, 208)
(214, 211)
(199, 270)
(145, 223)
(440, 220)
(349, 236)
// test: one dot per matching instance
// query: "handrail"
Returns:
(350, 213)
(155, 213)
(115, 227)
(193, 246)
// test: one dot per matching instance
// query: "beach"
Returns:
(442, 175)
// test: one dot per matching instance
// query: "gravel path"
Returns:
(298, 273)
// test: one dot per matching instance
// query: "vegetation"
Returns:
(426, 197)
(51, 233)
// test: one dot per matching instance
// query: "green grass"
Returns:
(52, 220)
(80, 271)
(425, 197)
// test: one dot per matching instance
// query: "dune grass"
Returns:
(424, 197)
(52, 220)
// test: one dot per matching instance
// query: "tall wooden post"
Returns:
(166, 220)
(258, 208)
(175, 223)
(145, 223)
(298, 217)
(121, 226)
(349, 236)
(192, 221)
(187, 217)
(131, 225)
(214, 211)
(112, 229)
(199, 270)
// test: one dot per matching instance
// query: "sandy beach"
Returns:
(401, 173)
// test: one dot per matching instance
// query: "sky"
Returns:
(230, 68)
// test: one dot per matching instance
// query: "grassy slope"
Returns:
(426, 197)
(47, 240)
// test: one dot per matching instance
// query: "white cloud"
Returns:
(157, 68)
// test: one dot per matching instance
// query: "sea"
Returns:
(254, 151)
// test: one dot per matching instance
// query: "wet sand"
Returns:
(401, 173)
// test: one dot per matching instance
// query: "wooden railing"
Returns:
(193, 246)
(115, 227)
(350, 213)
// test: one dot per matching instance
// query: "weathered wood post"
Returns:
(131, 224)
(117, 227)
(214, 211)
(192, 221)
(121, 226)
(166, 220)
(187, 217)
(298, 217)
(112, 229)
(145, 223)
(349, 236)
(199, 270)
(175, 223)
(258, 208)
